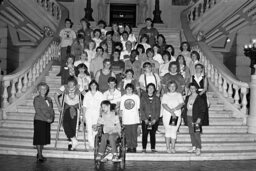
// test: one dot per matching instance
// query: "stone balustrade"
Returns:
(52, 7)
(234, 91)
(199, 8)
(15, 85)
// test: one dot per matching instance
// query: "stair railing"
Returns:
(199, 8)
(52, 7)
(15, 85)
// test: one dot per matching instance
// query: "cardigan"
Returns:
(148, 107)
(43, 111)
(198, 109)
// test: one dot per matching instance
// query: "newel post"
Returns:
(252, 115)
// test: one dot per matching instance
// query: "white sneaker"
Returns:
(74, 143)
(193, 150)
(198, 152)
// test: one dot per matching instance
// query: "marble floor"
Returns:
(23, 163)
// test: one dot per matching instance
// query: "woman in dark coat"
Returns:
(150, 106)
(44, 116)
(194, 114)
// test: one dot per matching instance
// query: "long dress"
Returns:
(200, 82)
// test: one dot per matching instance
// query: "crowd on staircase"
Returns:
(146, 81)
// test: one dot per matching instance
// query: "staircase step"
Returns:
(180, 147)
(183, 129)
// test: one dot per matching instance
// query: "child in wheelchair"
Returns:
(111, 130)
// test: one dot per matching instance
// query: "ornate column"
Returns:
(252, 114)
(157, 13)
(88, 11)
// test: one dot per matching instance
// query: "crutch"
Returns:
(83, 121)
(60, 121)
(78, 116)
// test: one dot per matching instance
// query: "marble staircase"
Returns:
(226, 138)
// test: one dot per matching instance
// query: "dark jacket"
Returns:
(198, 110)
(43, 111)
(148, 107)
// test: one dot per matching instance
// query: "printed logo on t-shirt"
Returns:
(129, 104)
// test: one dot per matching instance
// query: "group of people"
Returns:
(141, 77)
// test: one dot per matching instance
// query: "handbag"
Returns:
(173, 121)
(197, 128)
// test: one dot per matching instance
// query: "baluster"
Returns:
(220, 83)
(37, 69)
(202, 9)
(196, 12)
(40, 65)
(25, 83)
(13, 91)
(212, 73)
(5, 103)
(30, 77)
(230, 93)
(209, 70)
(244, 100)
(19, 87)
(44, 61)
(34, 74)
(216, 76)
(224, 88)
(236, 97)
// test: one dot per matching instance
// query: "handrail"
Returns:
(232, 91)
(52, 7)
(17, 85)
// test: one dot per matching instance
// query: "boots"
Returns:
(74, 143)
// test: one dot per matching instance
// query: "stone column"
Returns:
(252, 114)
(88, 11)
(157, 13)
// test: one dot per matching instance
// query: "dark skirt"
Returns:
(41, 133)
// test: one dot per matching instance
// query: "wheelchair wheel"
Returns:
(96, 151)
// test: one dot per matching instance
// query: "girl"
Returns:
(144, 41)
(141, 50)
(183, 69)
(195, 60)
(171, 50)
(91, 51)
(131, 37)
(150, 111)
(78, 47)
(83, 78)
(161, 42)
(185, 51)
(83, 60)
(97, 37)
(116, 35)
(128, 79)
(157, 55)
(129, 111)
(44, 116)
(172, 102)
(68, 70)
(163, 69)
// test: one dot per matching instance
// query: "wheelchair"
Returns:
(120, 145)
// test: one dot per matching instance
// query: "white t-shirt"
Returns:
(172, 100)
(97, 41)
(114, 97)
(67, 36)
(91, 54)
(83, 82)
(164, 69)
(123, 53)
(158, 58)
(130, 105)
(71, 98)
(150, 78)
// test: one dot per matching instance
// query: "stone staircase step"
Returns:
(180, 147)
(81, 154)
(183, 129)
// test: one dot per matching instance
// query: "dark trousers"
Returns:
(112, 142)
(63, 57)
(152, 133)
(195, 137)
(69, 124)
(131, 135)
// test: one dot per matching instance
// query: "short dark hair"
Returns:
(130, 85)
(93, 82)
(109, 33)
(86, 21)
(69, 20)
(172, 82)
(97, 30)
(118, 44)
(144, 36)
(182, 43)
(140, 46)
(170, 46)
(128, 25)
(149, 50)
(72, 79)
(42, 84)
(99, 47)
(102, 22)
(82, 65)
(125, 32)
(106, 60)
(151, 84)
(199, 64)
(193, 84)
(146, 64)
(106, 102)
(168, 54)
(162, 36)
(195, 53)
(112, 79)
(173, 63)
(129, 70)
(135, 50)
